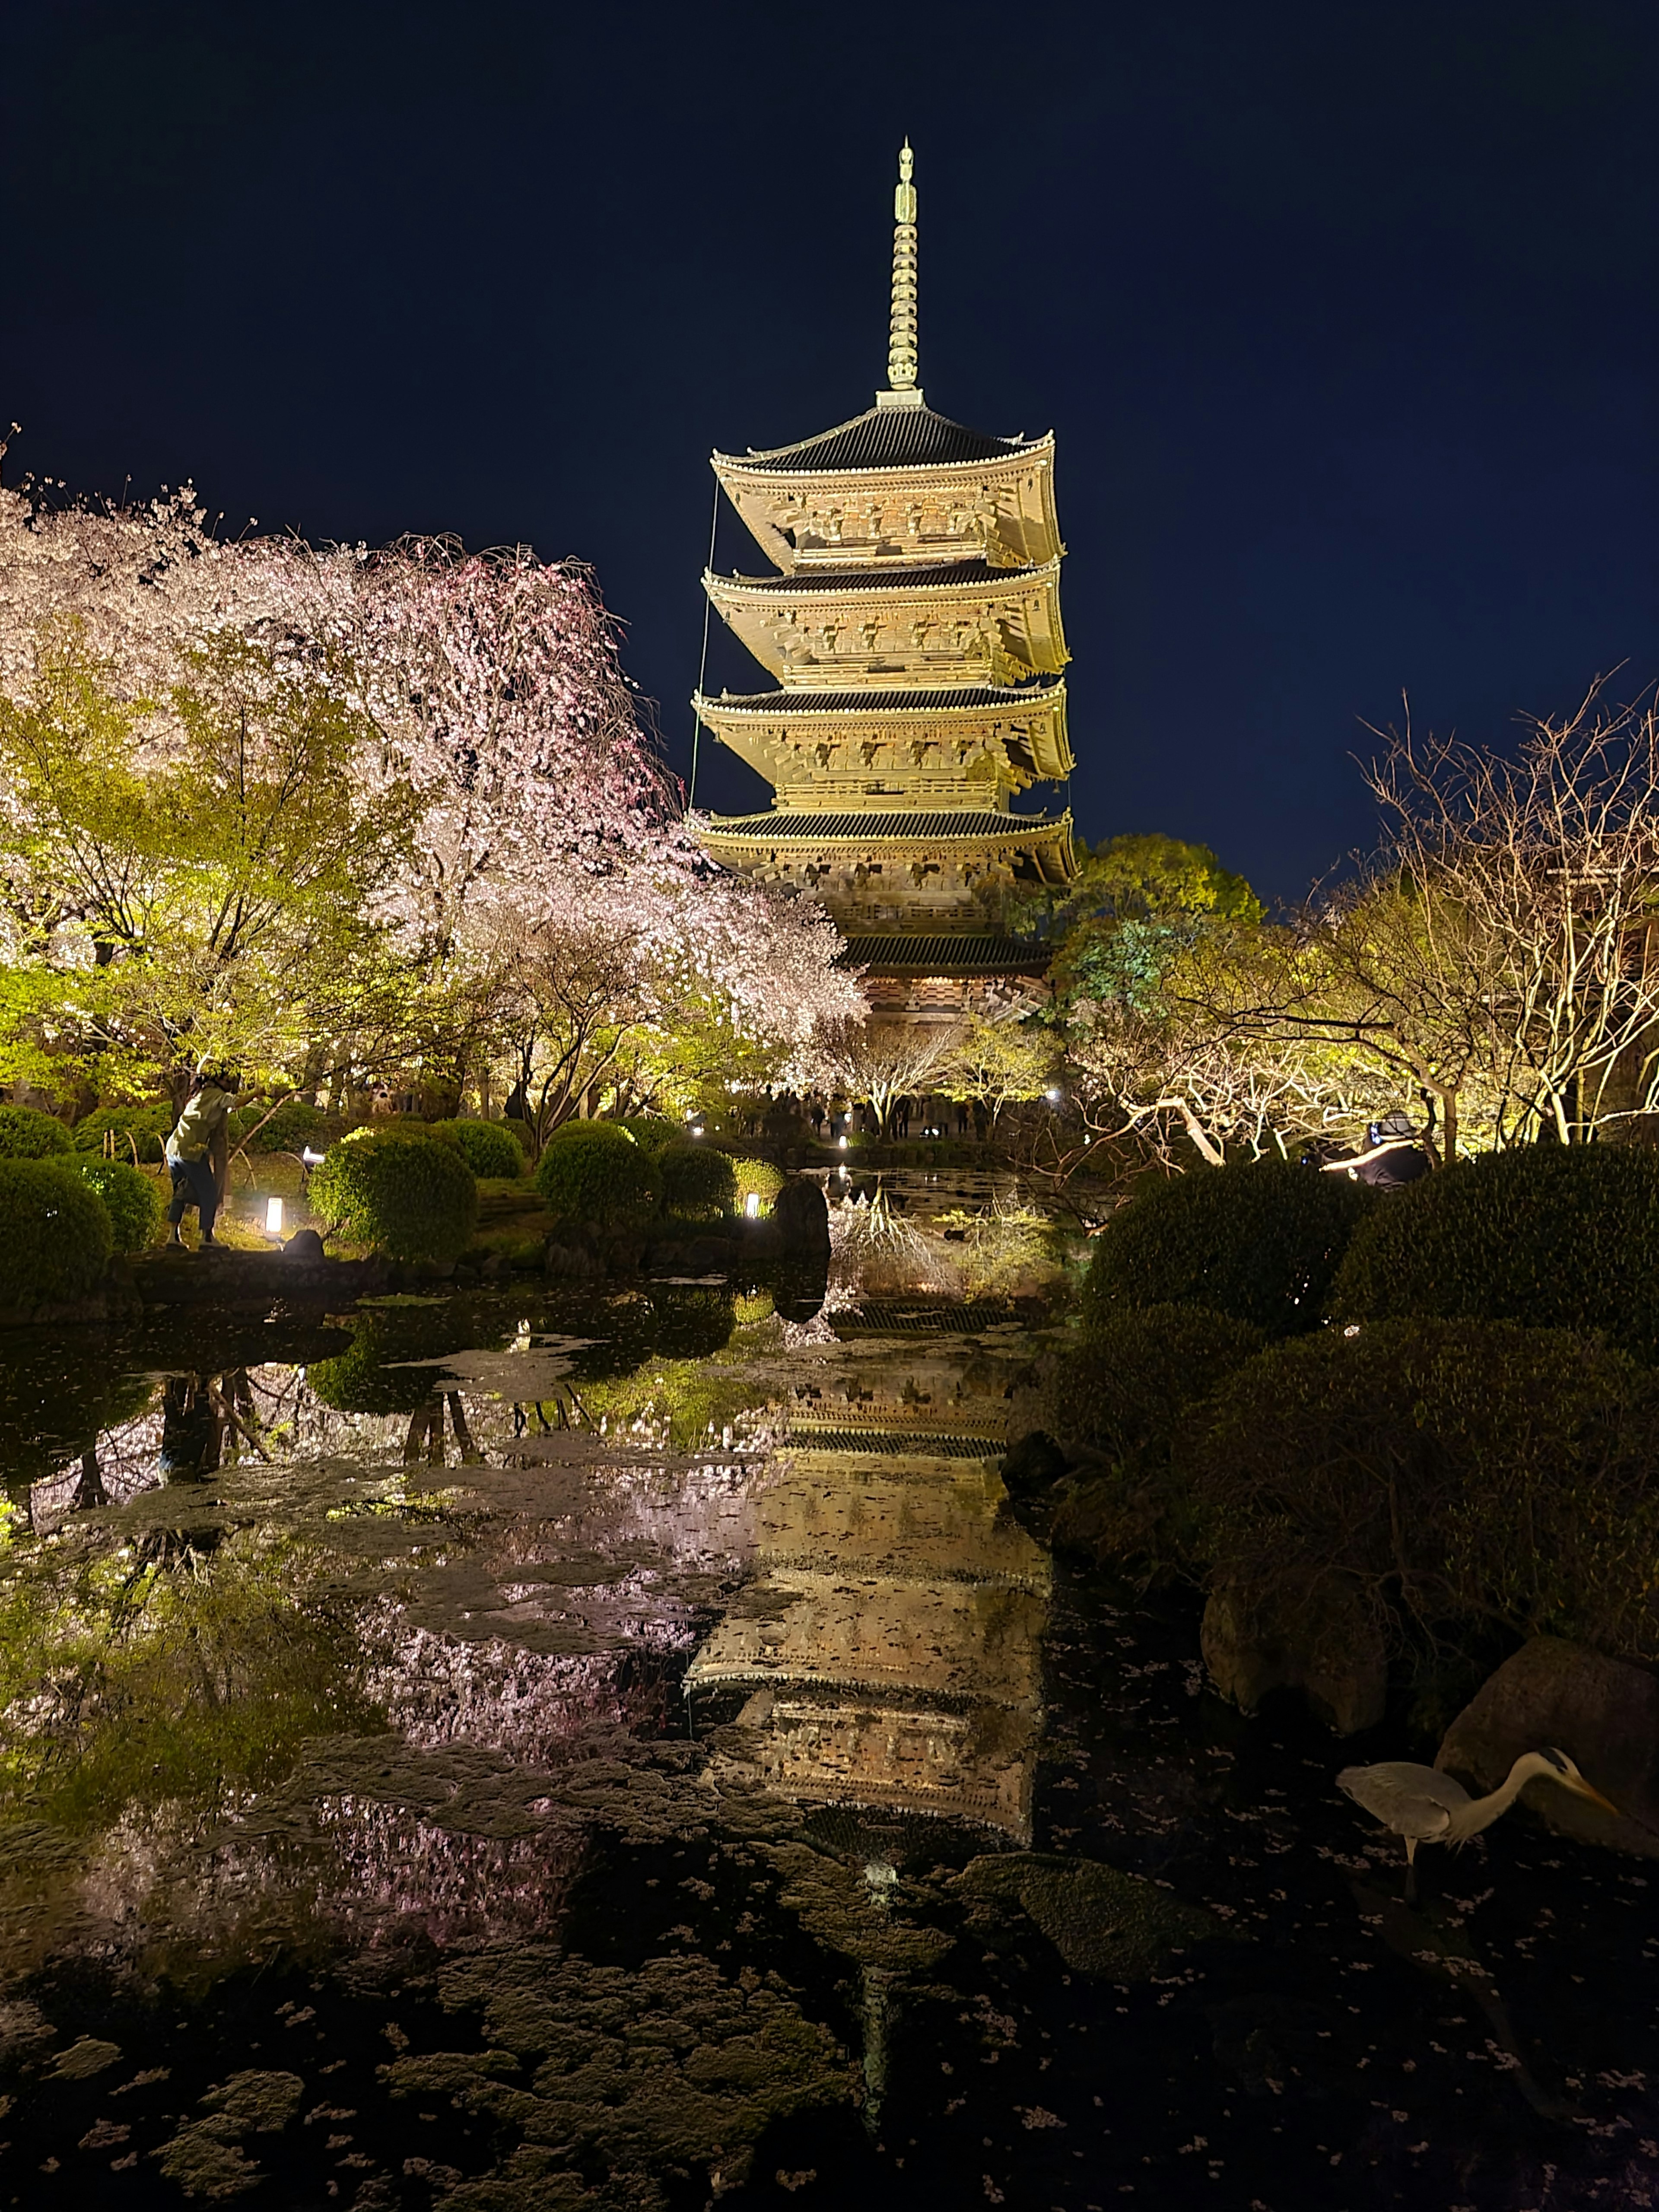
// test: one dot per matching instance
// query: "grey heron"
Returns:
(1424, 1806)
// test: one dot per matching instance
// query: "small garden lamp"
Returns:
(273, 1216)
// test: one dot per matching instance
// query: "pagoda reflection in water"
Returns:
(891, 1642)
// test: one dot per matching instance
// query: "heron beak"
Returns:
(1584, 1790)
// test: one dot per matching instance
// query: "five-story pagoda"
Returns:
(913, 636)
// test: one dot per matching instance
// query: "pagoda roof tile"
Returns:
(895, 580)
(786, 826)
(976, 697)
(938, 954)
(886, 438)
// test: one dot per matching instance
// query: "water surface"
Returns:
(621, 1750)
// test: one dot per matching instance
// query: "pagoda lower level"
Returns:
(912, 638)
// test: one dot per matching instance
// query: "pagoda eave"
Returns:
(862, 632)
(794, 838)
(901, 513)
(814, 742)
(898, 953)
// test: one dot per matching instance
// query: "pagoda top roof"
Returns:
(788, 823)
(975, 698)
(911, 437)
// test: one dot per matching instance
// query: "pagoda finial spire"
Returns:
(902, 389)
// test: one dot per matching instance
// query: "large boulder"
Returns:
(1322, 1642)
(1602, 1712)
(800, 1215)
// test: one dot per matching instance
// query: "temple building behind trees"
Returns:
(913, 639)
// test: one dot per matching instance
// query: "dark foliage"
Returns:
(1120, 1387)
(1558, 1237)
(143, 1128)
(290, 1128)
(1450, 1475)
(55, 1233)
(697, 1184)
(594, 1172)
(692, 1324)
(651, 1132)
(490, 1148)
(1260, 1241)
(136, 1202)
(28, 1134)
(403, 1192)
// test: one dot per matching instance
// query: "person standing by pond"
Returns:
(197, 1150)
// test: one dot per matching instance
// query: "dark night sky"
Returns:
(1343, 314)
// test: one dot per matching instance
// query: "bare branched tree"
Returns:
(1499, 956)
(880, 1062)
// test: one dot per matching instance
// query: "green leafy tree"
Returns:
(1002, 1063)
(217, 893)
(1136, 903)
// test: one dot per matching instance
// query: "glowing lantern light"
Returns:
(752, 1205)
(273, 1216)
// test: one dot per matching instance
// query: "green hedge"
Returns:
(1121, 1388)
(597, 1172)
(490, 1148)
(651, 1131)
(1452, 1473)
(55, 1233)
(147, 1126)
(1261, 1240)
(27, 1135)
(1557, 1236)
(137, 1202)
(291, 1127)
(696, 1184)
(407, 1194)
(760, 1176)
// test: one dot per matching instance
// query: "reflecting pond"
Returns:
(620, 1750)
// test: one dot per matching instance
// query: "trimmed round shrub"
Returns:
(1454, 1474)
(143, 1128)
(291, 1127)
(55, 1233)
(760, 1176)
(697, 1184)
(406, 1194)
(26, 1133)
(1554, 1236)
(1261, 1240)
(596, 1171)
(490, 1148)
(651, 1132)
(1122, 1387)
(137, 1202)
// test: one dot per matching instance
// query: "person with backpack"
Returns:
(197, 1152)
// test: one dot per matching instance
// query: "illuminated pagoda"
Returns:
(913, 636)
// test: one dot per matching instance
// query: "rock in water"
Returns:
(800, 1215)
(1602, 1712)
(1322, 1642)
(305, 1247)
(1100, 1920)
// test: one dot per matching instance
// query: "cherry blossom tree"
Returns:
(491, 687)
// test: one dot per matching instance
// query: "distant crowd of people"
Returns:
(830, 1116)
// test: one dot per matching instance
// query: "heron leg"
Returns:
(1410, 1869)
